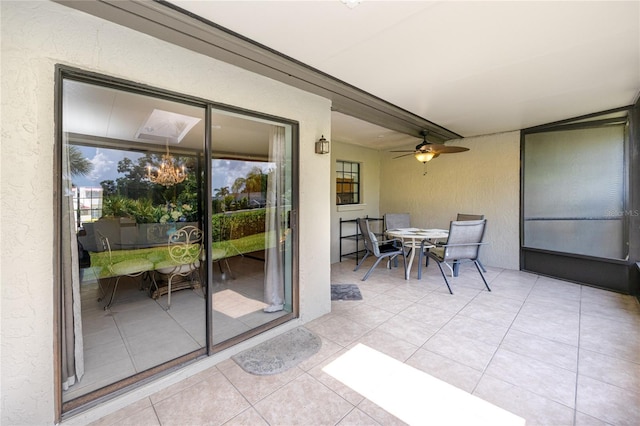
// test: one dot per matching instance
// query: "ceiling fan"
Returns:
(426, 151)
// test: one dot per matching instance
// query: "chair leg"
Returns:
(478, 267)
(362, 260)
(371, 269)
(444, 276)
(482, 266)
(113, 294)
(169, 292)
(229, 269)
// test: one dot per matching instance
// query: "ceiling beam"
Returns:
(170, 23)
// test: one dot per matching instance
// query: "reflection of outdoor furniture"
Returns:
(219, 255)
(388, 249)
(118, 269)
(185, 252)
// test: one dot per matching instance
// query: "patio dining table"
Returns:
(413, 237)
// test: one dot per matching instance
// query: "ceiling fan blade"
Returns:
(405, 150)
(403, 155)
(451, 149)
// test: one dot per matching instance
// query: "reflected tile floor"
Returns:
(549, 351)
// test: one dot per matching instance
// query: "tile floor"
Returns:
(137, 333)
(552, 352)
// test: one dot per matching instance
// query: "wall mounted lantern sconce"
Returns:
(322, 146)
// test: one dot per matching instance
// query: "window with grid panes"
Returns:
(347, 182)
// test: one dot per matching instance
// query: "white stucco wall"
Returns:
(36, 35)
(484, 180)
(369, 160)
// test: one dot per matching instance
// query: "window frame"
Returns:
(341, 181)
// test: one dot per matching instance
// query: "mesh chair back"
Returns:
(468, 234)
(465, 216)
(370, 240)
(397, 220)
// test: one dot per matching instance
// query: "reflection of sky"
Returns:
(105, 167)
(105, 164)
(225, 172)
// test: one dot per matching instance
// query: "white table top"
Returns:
(415, 233)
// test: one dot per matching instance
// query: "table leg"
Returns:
(411, 256)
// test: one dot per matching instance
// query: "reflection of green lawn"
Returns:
(243, 245)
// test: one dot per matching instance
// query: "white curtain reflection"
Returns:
(72, 342)
(275, 234)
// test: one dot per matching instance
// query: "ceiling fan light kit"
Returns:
(423, 156)
(426, 151)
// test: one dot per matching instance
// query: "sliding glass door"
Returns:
(252, 189)
(175, 231)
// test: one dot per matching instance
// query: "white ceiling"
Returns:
(473, 67)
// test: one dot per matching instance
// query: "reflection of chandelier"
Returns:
(168, 174)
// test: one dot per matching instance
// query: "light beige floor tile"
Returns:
(255, 388)
(447, 302)
(586, 420)
(327, 349)
(210, 401)
(389, 303)
(445, 369)
(542, 298)
(545, 350)
(427, 315)
(490, 314)
(470, 352)
(409, 330)
(339, 329)
(497, 300)
(367, 315)
(461, 325)
(535, 376)
(125, 413)
(407, 292)
(248, 417)
(613, 309)
(610, 337)
(183, 385)
(535, 409)
(606, 402)
(607, 369)
(556, 288)
(550, 312)
(304, 401)
(388, 344)
(357, 417)
(379, 415)
(559, 332)
(335, 385)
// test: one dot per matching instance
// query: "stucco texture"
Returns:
(484, 180)
(36, 36)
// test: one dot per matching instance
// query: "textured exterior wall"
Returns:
(370, 181)
(37, 35)
(484, 180)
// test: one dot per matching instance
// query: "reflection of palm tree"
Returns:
(78, 164)
(221, 192)
(254, 180)
(238, 185)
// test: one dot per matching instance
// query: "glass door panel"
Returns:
(132, 177)
(251, 181)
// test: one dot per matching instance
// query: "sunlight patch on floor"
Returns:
(234, 304)
(412, 395)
